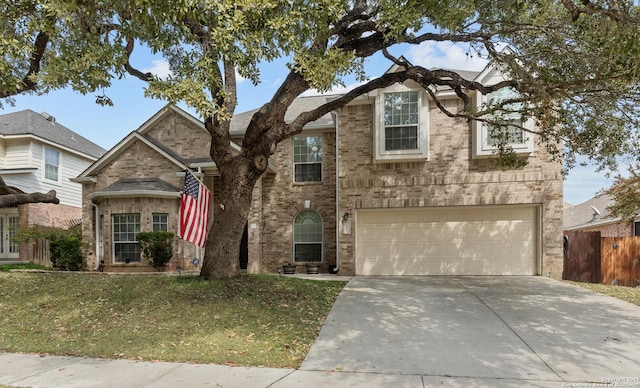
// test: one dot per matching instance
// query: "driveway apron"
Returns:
(508, 328)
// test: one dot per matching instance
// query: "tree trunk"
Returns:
(221, 259)
(19, 199)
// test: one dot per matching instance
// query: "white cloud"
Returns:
(239, 79)
(445, 55)
(583, 183)
(160, 68)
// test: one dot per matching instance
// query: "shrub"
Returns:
(65, 245)
(66, 252)
(157, 247)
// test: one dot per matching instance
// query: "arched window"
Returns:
(307, 237)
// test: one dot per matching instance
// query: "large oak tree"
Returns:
(574, 65)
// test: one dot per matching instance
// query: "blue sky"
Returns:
(107, 125)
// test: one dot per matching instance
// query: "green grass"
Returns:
(628, 294)
(8, 267)
(259, 320)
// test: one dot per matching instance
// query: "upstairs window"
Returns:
(488, 138)
(401, 131)
(307, 159)
(401, 121)
(51, 164)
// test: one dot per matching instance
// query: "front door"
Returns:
(8, 229)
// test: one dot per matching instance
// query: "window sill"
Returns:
(523, 151)
(314, 183)
(395, 158)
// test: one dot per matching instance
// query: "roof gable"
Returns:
(168, 109)
(123, 145)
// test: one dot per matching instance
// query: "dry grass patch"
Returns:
(628, 294)
(258, 320)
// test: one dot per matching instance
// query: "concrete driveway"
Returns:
(474, 331)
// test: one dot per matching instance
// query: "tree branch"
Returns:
(130, 69)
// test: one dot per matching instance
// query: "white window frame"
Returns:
(319, 136)
(421, 153)
(114, 242)
(481, 144)
(46, 164)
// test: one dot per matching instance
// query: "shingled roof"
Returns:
(240, 121)
(44, 126)
(589, 213)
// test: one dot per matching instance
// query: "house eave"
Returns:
(133, 193)
(84, 179)
(51, 143)
(12, 171)
(594, 224)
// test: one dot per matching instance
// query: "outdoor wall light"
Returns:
(345, 216)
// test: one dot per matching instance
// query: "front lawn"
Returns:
(258, 320)
(628, 294)
(9, 267)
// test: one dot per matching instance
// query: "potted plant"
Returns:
(289, 269)
(313, 268)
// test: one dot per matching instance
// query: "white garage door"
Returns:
(496, 240)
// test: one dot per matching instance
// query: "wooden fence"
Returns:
(41, 254)
(607, 260)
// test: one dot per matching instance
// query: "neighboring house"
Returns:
(37, 154)
(386, 185)
(592, 216)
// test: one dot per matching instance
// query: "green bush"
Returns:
(157, 247)
(65, 245)
(66, 252)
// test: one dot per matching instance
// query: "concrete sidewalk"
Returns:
(411, 332)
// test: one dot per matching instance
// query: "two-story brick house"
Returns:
(38, 154)
(386, 185)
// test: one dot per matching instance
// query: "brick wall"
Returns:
(282, 200)
(449, 178)
(620, 229)
(139, 160)
(44, 214)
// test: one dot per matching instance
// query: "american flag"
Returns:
(194, 211)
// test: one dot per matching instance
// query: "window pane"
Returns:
(51, 164)
(401, 120)
(125, 228)
(305, 253)
(307, 236)
(160, 222)
(401, 138)
(307, 158)
(308, 172)
(507, 134)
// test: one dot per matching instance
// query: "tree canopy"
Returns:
(574, 65)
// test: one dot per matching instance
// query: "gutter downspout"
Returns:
(97, 236)
(338, 218)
